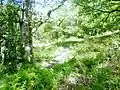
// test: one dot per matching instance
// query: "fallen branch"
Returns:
(77, 40)
(80, 40)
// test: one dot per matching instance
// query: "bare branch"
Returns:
(50, 11)
(61, 21)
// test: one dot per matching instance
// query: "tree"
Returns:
(26, 30)
(98, 16)
(10, 37)
(15, 34)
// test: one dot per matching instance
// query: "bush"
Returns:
(30, 79)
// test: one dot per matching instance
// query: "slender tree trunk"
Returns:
(26, 30)
(30, 32)
(22, 32)
(30, 39)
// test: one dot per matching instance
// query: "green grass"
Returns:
(90, 65)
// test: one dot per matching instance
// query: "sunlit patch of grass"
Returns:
(43, 53)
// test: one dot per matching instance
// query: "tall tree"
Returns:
(10, 34)
(28, 17)
(15, 34)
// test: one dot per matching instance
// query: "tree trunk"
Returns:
(27, 30)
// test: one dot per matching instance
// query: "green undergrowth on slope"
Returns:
(90, 76)
(95, 65)
(36, 78)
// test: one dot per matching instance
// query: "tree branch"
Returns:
(50, 11)
(77, 40)
(61, 22)
(80, 40)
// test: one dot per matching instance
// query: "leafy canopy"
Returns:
(97, 16)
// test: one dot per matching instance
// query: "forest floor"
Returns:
(90, 55)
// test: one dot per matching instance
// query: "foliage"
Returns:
(10, 36)
(95, 62)
(98, 16)
(30, 79)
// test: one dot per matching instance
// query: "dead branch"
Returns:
(50, 11)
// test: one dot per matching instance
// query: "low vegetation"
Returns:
(78, 53)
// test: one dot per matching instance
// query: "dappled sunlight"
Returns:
(59, 45)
